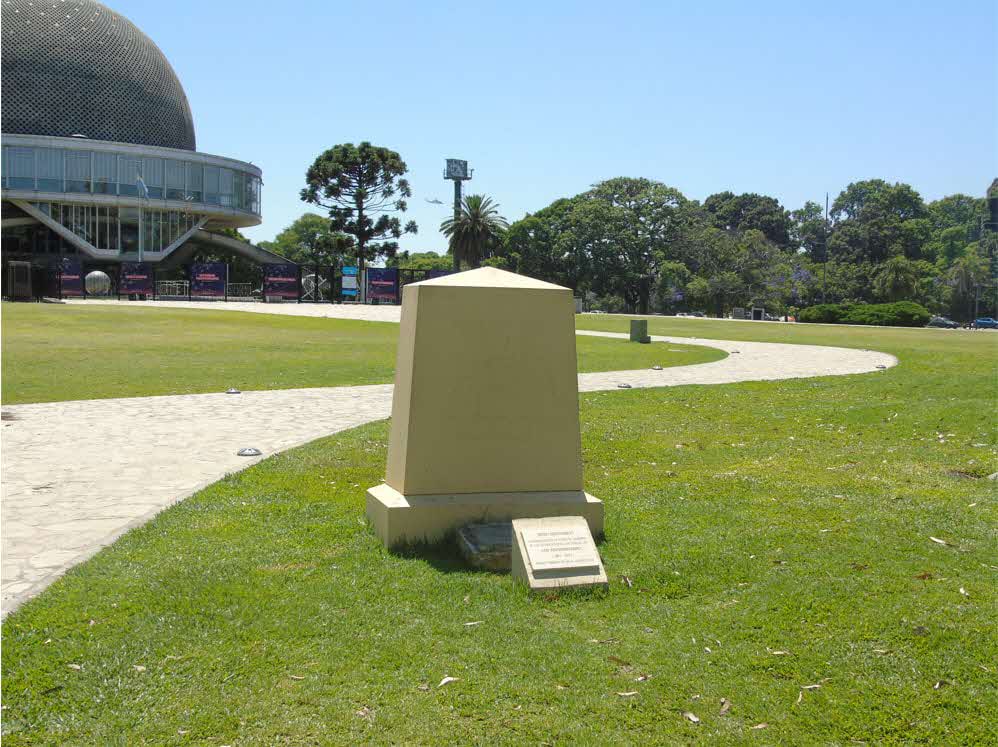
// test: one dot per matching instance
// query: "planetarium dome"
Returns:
(75, 67)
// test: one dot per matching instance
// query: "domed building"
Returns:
(99, 149)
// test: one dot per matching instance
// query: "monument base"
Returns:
(399, 519)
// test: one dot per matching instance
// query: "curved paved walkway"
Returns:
(76, 475)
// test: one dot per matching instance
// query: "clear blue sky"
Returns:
(546, 98)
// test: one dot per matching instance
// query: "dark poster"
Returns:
(208, 279)
(70, 277)
(136, 277)
(383, 283)
(280, 280)
(438, 274)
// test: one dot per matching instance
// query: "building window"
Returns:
(105, 173)
(129, 173)
(152, 173)
(22, 168)
(225, 187)
(195, 182)
(211, 185)
(77, 171)
(174, 180)
(128, 218)
(49, 164)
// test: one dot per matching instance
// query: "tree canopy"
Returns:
(476, 232)
(311, 240)
(640, 245)
(363, 188)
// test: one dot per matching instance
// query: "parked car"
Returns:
(985, 322)
(698, 314)
(942, 322)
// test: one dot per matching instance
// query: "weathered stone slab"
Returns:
(556, 552)
(488, 546)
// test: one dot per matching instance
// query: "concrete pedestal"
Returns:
(399, 519)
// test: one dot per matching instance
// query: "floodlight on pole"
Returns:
(457, 170)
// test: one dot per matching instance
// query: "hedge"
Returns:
(898, 314)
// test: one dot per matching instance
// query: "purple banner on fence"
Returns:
(280, 280)
(70, 277)
(209, 279)
(383, 283)
(136, 277)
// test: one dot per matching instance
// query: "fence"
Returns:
(174, 289)
(241, 291)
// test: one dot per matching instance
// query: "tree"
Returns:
(650, 218)
(968, 272)
(310, 240)
(362, 187)
(873, 212)
(541, 246)
(807, 230)
(750, 211)
(476, 232)
(420, 261)
(896, 279)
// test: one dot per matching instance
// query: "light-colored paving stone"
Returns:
(380, 313)
(76, 475)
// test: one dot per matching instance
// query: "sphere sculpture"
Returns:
(97, 283)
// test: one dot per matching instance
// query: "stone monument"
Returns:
(485, 413)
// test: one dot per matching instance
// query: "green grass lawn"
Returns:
(775, 538)
(53, 353)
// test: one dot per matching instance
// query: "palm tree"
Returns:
(969, 271)
(476, 231)
(896, 279)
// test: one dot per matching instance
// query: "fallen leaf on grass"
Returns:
(725, 706)
(618, 661)
(800, 697)
(424, 687)
(561, 687)
(763, 725)
(642, 678)
(940, 685)
(776, 652)
(473, 624)
(448, 680)
(138, 667)
(629, 694)
(964, 592)
(365, 712)
(881, 650)
(626, 581)
(940, 541)
(924, 576)
(296, 677)
(690, 716)
(816, 686)
(604, 641)
(77, 667)
(47, 640)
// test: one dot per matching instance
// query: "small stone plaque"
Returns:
(555, 552)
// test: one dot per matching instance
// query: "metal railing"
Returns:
(172, 288)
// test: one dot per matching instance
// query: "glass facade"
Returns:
(99, 172)
(118, 229)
